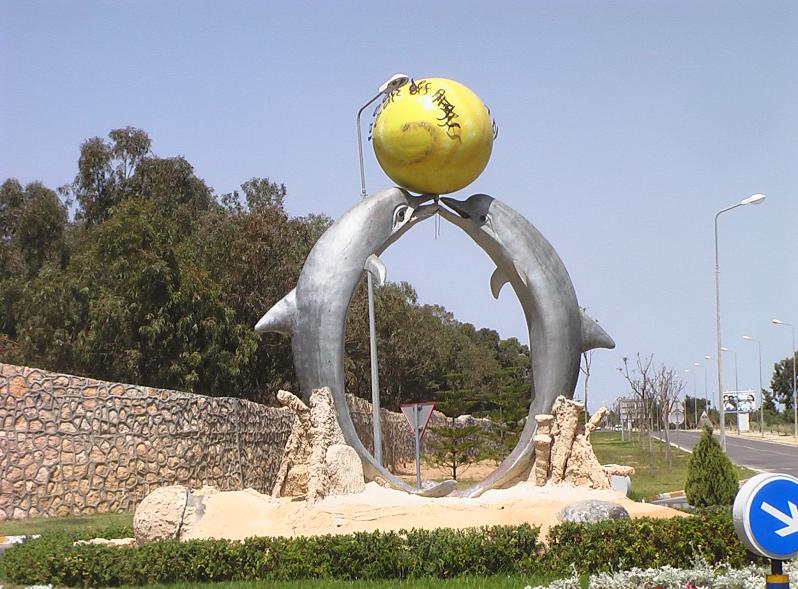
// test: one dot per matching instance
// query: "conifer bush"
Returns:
(711, 479)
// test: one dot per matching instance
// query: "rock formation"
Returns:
(592, 511)
(563, 452)
(316, 461)
(165, 513)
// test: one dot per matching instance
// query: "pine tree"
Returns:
(455, 448)
(711, 479)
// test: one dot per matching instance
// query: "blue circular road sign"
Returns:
(766, 515)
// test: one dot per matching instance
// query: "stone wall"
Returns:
(73, 445)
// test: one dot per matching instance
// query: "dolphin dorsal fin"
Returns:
(281, 317)
(497, 280)
(593, 336)
(376, 268)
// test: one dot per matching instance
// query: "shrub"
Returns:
(54, 558)
(645, 542)
(711, 479)
(442, 553)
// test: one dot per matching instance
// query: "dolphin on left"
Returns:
(314, 312)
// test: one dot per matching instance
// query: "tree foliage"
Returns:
(711, 479)
(158, 280)
(456, 447)
(782, 383)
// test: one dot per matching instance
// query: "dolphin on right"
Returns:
(559, 331)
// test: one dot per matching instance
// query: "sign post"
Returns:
(417, 415)
(676, 417)
(765, 517)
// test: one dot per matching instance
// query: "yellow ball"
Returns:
(433, 136)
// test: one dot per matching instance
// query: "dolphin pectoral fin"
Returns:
(497, 280)
(593, 336)
(281, 317)
(376, 268)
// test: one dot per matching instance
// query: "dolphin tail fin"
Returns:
(593, 336)
(376, 268)
(280, 318)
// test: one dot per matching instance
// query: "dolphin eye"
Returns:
(400, 215)
(483, 218)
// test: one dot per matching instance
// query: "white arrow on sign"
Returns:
(791, 520)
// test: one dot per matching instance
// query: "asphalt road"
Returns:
(755, 454)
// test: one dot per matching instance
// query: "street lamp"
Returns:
(736, 383)
(794, 405)
(695, 401)
(706, 385)
(387, 87)
(761, 390)
(751, 200)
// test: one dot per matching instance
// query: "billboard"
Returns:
(739, 402)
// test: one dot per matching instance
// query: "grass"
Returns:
(652, 473)
(37, 525)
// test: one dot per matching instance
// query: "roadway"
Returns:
(751, 452)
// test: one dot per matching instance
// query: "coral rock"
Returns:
(592, 511)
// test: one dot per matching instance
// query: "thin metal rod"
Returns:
(375, 383)
(717, 331)
(761, 394)
(794, 397)
(418, 445)
(360, 145)
(375, 378)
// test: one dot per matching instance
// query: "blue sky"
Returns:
(624, 127)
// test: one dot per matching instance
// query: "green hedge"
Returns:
(441, 553)
(377, 555)
(645, 542)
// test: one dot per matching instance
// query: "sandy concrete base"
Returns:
(240, 514)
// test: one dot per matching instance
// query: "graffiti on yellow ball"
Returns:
(421, 87)
(448, 115)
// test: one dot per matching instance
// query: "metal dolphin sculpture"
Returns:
(314, 313)
(559, 331)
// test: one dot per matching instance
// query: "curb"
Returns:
(671, 495)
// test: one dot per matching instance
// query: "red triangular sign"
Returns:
(417, 415)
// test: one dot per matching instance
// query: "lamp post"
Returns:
(387, 87)
(706, 388)
(761, 390)
(695, 400)
(736, 382)
(751, 200)
(794, 404)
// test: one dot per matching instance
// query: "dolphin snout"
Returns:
(456, 206)
(424, 212)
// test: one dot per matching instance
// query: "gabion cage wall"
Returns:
(72, 445)
(76, 445)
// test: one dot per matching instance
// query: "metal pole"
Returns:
(761, 390)
(737, 390)
(418, 447)
(706, 387)
(717, 333)
(794, 397)
(387, 87)
(375, 382)
(753, 199)
(761, 394)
